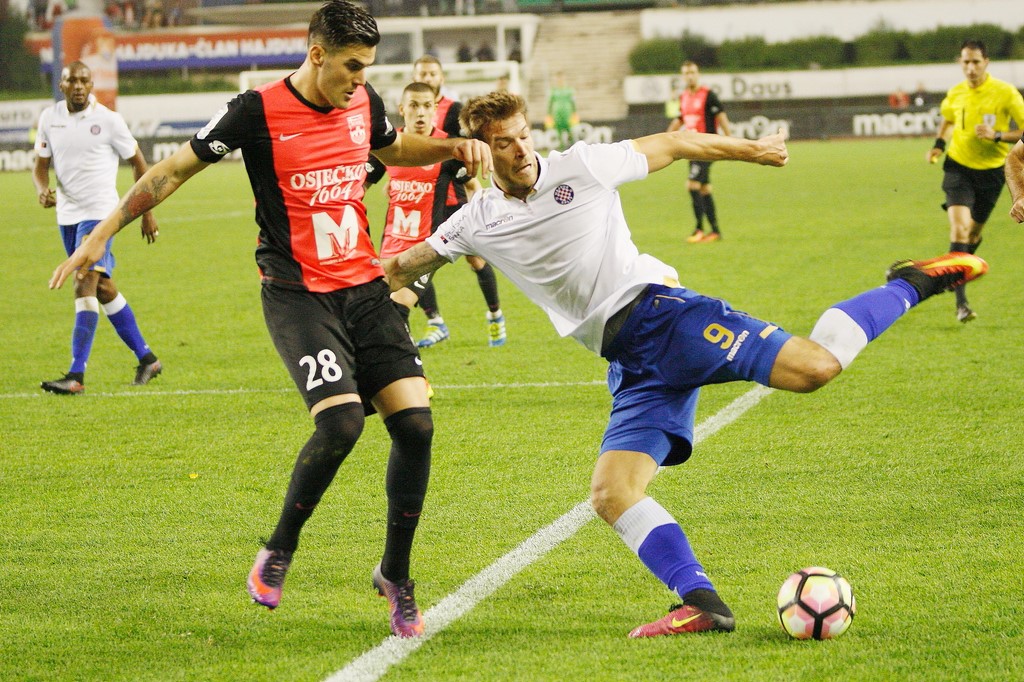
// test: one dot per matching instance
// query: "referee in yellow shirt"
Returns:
(975, 125)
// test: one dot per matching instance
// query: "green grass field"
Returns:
(131, 515)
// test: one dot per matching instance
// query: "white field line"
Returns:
(373, 664)
(145, 393)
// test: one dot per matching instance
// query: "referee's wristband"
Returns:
(939, 144)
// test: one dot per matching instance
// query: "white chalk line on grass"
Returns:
(373, 664)
(146, 393)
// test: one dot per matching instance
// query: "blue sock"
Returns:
(657, 539)
(877, 309)
(87, 316)
(121, 316)
(667, 554)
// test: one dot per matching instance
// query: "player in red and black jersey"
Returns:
(305, 141)
(416, 195)
(427, 69)
(700, 110)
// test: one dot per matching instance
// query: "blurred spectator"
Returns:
(899, 99)
(501, 85)
(174, 13)
(154, 16)
(484, 53)
(515, 53)
(130, 14)
(465, 53)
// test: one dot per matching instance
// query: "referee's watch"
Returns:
(998, 137)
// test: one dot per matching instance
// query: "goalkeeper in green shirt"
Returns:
(562, 111)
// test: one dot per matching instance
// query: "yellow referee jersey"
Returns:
(993, 103)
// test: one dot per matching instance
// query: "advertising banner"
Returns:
(270, 47)
(87, 39)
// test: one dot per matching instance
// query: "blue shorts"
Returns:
(674, 342)
(72, 235)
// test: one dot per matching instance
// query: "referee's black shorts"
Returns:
(976, 189)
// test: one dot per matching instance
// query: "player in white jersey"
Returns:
(82, 140)
(555, 227)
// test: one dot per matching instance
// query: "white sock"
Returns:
(637, 522)
(115, 306)
(836, 332)
(90, 303)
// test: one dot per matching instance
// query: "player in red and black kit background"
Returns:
(427, 69)
(700, 110)
(416, 195)
(306, 140)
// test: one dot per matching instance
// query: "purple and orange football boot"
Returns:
(406, 619)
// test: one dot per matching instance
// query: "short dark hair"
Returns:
(975, 44)
(418, 87)
(77, 64)
(481, 111)
(337, 24)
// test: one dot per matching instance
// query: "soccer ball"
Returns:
(816, 603)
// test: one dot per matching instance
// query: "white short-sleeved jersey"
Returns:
(84, 148)
(567, 246)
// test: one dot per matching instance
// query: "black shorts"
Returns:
(700, 171)
(347, 341)
(976, 189)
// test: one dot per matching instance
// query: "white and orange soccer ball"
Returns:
(816, 603)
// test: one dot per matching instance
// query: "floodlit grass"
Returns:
(131, 514)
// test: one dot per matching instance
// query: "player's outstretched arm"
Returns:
(662, 149)
(158, 183)
(420, 150)
(150, 230)
(411, 264)
(1014, 170)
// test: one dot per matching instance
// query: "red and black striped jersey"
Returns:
(698, 109)
(416, 199)
(306, 165)
(446, 118)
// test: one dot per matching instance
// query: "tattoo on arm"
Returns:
(416, 262)
(139, 199)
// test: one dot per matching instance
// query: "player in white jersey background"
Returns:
(82, 140)
(555, 227)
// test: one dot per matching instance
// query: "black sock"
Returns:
(337, 430)
(489, 286)
(428, 301)
(709, 211)
(148, 359)
(707, 600)
(961, 295)
(412, 431)
(698, 207)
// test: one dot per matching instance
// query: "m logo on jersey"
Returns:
(564, 194)
(95, 130)
(406, 225)
(357, 128)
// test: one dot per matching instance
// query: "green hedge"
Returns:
(19, 68)
(881, 46)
